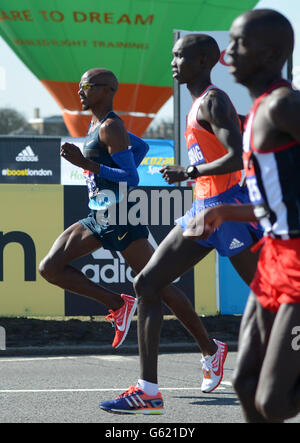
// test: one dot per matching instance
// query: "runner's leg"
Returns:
(174, 256)
(137, 255)
(254, 332)
(278, 391)
(245, 263)
(75, 242)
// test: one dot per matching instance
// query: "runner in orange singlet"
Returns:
(214, 143)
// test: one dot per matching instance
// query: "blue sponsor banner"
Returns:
(161, 153)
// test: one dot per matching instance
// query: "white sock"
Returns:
(147, 387)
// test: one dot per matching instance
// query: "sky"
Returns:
(21, 90)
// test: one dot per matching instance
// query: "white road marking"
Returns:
(13, 360)
(100, 357)
(7, 391)
(112, 357)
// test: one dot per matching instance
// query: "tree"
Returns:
(11, 120)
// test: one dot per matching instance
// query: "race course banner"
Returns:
(161, 153)
(30, 160)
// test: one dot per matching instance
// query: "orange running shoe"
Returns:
(135, 401)
(121, 319)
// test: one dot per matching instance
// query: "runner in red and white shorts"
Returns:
(267, 377)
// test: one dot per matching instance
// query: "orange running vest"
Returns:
(204, 147)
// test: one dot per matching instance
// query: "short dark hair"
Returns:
(206, 45)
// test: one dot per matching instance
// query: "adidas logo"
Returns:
(27, 155)
(236, 244)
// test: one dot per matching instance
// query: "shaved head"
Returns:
(102, 75)
(272, 28)
(104, 85)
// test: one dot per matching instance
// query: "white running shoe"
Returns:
(212, 366)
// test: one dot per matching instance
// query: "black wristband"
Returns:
(192, 171)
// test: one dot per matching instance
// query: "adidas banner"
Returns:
(31, 160)
(109, 269)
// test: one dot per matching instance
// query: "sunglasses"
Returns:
(87, 86)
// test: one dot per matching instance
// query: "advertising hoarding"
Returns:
(29, 160)
(27, 230)
(30, 226)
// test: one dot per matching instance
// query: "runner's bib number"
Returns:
(195, 155)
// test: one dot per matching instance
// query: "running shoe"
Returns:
(135, 401)
(212, 366)
(121, 319)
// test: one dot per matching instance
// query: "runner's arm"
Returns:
(115, 137)
(207, 221)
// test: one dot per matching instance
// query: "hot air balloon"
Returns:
(59, 41)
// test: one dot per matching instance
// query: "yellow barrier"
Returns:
(205, 282)
(32, 216)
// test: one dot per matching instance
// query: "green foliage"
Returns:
(11, 120)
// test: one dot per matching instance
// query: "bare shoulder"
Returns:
(112, 125)
(114, 135)
(216, 106)
(216, 97)
(283, 103)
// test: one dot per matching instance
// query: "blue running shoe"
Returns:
(135, 401)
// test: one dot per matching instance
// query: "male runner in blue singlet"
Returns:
(110, 156)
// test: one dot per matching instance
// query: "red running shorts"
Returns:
(277, 278)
